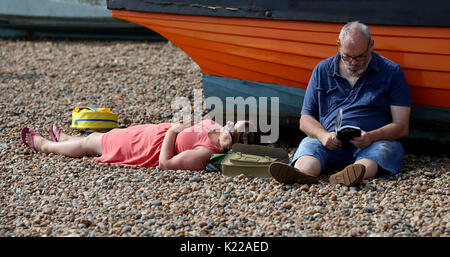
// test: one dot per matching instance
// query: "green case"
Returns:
(248, 164)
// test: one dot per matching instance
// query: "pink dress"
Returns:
(140, 145)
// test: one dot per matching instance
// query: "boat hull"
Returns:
(283, 53)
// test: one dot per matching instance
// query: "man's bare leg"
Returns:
(309, 165)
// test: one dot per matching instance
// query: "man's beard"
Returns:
(357, 72)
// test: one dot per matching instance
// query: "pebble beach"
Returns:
(46, 195)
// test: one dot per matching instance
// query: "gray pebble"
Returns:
(369, 209)
(156, 203)
(125, 229)
(195, 179)
(150, 222)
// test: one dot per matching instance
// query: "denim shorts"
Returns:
(387, 154)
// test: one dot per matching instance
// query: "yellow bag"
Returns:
(86, 117)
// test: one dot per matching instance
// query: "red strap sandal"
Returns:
(55, 137)
(24, 133)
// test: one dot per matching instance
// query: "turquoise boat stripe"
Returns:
(291, 98)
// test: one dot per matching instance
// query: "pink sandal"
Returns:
(55, 137)
(24, 133)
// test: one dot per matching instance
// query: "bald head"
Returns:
(354, 31)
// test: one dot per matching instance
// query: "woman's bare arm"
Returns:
(194, 159)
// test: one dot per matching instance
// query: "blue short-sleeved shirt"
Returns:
(367, 104)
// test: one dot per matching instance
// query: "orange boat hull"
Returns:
(286, 52)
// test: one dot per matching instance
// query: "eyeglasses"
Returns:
(348, 58)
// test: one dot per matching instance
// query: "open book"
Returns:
(345, 133)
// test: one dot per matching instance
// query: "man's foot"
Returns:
(287, 174)
(352, 175)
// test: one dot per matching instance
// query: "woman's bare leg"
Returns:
(82, 146)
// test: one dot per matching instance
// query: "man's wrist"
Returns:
(321, 134)
(370, 136)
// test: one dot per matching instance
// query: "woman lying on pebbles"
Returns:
(172, 146)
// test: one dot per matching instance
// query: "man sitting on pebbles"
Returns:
(170, 145)
(374, 96)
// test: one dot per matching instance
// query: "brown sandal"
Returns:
(352, 175)
(287, 174)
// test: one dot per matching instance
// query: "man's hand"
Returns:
(330, 141)
(362, 141)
